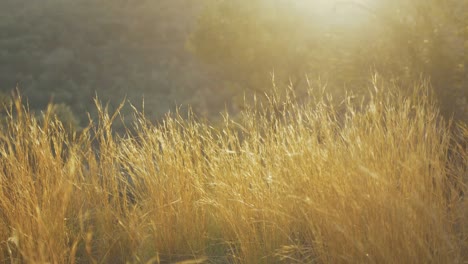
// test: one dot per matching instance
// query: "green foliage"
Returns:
(5, 100)
(402, 40)
(248, 40)
(64, 114)
(426, 37)
(69, 51)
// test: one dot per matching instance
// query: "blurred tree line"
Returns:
(401, 40)
(69, 51)
(210, 53)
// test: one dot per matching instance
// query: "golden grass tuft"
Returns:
(378, 182)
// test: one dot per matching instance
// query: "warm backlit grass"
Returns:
(379, 182)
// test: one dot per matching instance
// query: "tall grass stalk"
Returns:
(377, 182)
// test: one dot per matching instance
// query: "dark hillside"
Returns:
(68, 51)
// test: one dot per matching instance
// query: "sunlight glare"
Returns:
(337, 12)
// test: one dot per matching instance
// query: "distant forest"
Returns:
(67, 52)
(210, 54)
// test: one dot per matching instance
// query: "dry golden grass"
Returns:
(380, 182)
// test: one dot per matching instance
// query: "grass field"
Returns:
(376, 182)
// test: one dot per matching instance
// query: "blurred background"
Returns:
(211, 54)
